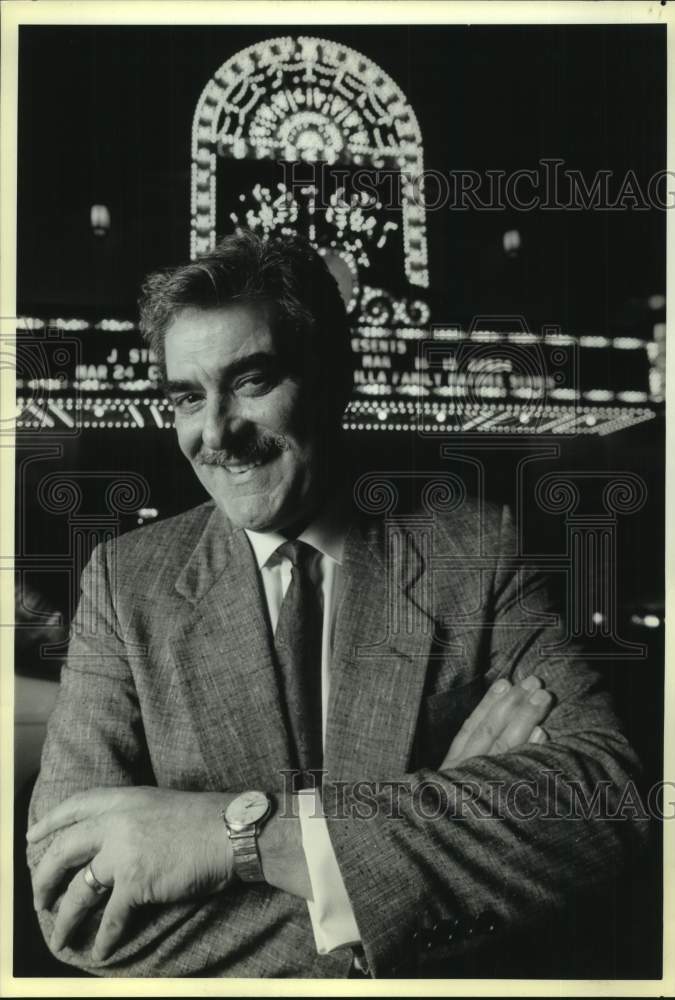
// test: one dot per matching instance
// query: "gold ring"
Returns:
(98, 887)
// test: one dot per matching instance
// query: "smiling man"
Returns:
(250, 771)
(246, 418)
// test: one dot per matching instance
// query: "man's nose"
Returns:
(222, 421)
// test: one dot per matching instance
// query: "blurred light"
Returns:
(442, 333)
(345, 274)
(523, 337)
(486, 336)
(147, 513)
(564, 393)
(656, 301)
(69, 324)
(628, 343)
(512, 242)
(100, 219)
(599, 395)
(29, 323)
(656, 386)
(115, 325)
(632, 396)
(649, 621)
(561, 339)
(598, 618)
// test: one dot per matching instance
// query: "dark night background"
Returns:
(105, 116)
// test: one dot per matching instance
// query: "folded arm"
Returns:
(156, 846)
(96, 741)
(165, 852)
(493, 842)
(456, 866)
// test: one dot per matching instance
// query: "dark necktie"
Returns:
(297, 641)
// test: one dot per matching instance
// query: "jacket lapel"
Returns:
(222, 650)
(223, 656)
(383, 633)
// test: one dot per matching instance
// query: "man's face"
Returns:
(248, 423)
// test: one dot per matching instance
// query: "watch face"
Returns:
(246, 809)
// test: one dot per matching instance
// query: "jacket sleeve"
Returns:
(96, 738)
(437, 860)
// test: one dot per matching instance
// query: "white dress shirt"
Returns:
(330, 911)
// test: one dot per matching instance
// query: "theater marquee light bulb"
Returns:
(99, 216)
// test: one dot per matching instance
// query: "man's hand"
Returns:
(149, 845)
(508, 716)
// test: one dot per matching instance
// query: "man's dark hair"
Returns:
(308, 312)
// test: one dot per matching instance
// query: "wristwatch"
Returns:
(244, 818)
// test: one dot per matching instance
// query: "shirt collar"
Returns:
(327, 533)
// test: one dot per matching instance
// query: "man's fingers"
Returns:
(538, 735)
(501, 712)
(528, 713)
(81, 806)
(78, 900)
(498, 690)
(113, 923)
(72, 848)
(72, 810)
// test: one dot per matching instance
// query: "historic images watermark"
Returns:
(550, 796)
(550, 186)
(586, 626)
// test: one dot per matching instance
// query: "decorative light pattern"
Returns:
(346, 227)
(111, 325)
(378, 413)
(427, 418)
(395, 384)
(307, 99)
(379, 309)
(378, 302)
(270, 211)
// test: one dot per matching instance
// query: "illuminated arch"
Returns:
(314, 100)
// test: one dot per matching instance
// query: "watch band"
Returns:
(244, 818)
(246, 855)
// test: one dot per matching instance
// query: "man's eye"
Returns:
(187, 401)
(254, 384)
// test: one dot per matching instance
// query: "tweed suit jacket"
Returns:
(170, 680)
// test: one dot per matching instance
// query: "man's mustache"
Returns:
(260, 450)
